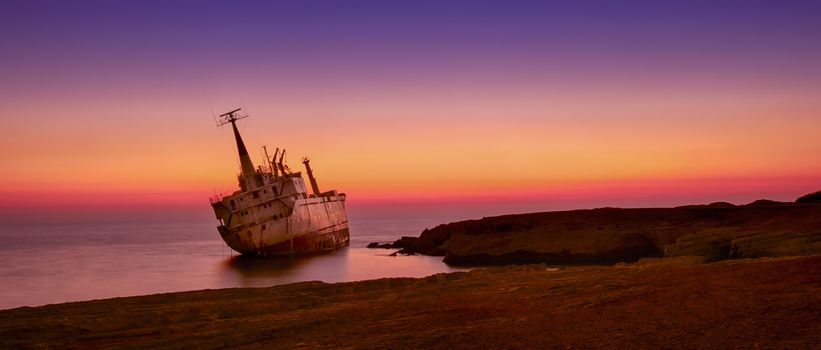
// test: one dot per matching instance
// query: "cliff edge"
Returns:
(609, 235)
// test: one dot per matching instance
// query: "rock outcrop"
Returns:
(814, 197)
(608, 235)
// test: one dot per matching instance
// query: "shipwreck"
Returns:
(272, 212)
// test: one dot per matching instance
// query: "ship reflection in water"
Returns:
(55, 263)
(346, 264)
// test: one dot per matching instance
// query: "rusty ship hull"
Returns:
(273, 213)
(316, 225)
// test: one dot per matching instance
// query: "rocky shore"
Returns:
(717, 231)
(711, 276)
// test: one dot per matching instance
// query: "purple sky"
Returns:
(412, 98)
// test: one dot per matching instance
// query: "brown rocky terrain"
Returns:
(717, 286)
(609, 235)
(673, 303)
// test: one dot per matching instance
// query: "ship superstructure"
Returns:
(272, 213)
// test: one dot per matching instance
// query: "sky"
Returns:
(478, 107)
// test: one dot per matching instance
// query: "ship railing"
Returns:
(217, 197)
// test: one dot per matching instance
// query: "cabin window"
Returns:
(233, 205)
(263, 226)
(256, 194)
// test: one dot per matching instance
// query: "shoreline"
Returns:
(715, 276)
(671, 302)
(605, 236)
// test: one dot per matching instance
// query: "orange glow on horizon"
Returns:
(426, 143)
(602, 193)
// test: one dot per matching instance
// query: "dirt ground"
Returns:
(672, 303)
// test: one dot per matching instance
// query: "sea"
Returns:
(46, 263)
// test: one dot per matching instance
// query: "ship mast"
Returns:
(311, 177)
(247, 167)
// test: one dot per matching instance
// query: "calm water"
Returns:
(53, 263)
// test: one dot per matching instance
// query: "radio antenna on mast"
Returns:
(248, 170)
(230, 117)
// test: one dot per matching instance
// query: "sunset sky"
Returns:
(492, 107)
